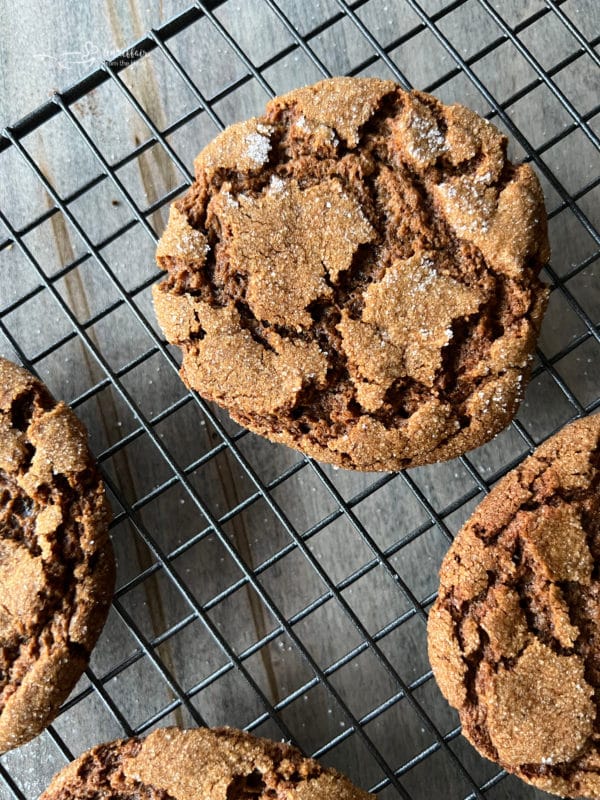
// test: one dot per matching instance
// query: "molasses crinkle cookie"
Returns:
(199, 764)
(355, 274)
(56, 561)
(514, 636)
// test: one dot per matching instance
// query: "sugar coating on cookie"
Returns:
(355, 274)
(56, 561)
(514, 636)
(206, 764)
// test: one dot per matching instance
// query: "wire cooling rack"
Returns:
(256, 587)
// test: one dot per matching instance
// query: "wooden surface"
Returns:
(46, 46)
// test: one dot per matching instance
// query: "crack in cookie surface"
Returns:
(514, 636)
(380, 235)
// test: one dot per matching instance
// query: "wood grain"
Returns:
(49, 45)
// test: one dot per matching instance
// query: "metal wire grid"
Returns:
(392, 781)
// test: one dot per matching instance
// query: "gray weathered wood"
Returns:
(46, 46)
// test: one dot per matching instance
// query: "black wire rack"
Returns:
(402, 740)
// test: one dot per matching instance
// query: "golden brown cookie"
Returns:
(56, 561)
(514, 636)
(199, 764)
(355, 274)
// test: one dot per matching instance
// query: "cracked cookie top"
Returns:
(56, 561)
(355, 274)
(514, 636)
(212, 764)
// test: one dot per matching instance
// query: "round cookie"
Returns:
(355, 274)
(211, 764)
(56, 560)
(514, 635)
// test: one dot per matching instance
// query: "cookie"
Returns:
(199, 764)
(514, 635)
(56, 561)
(355, 274)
